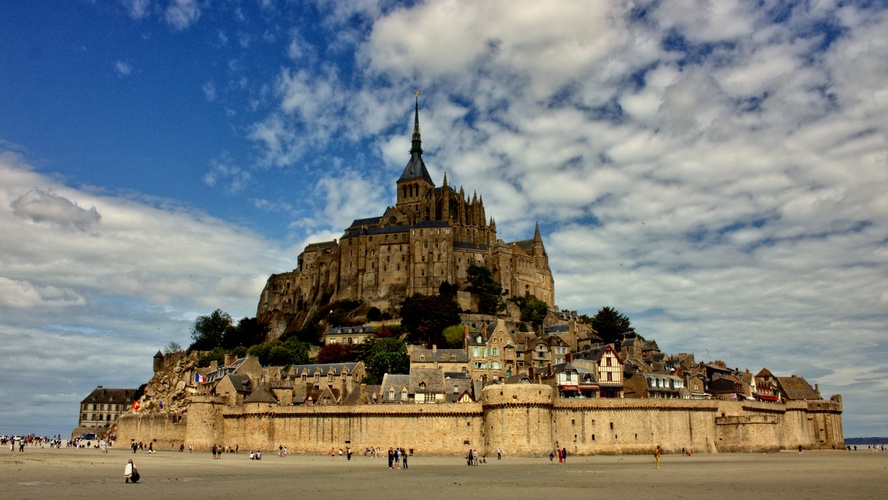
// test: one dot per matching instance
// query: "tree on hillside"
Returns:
(533, 310)
(336, 353)
(381, 356)
(208, 331)
(447, 290)
(172, 347)
(425, 317)
(611, 325)
(278, 353)
(454, 337)
(248, 332)
(489, 292)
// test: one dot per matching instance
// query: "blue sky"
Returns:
(715, 170)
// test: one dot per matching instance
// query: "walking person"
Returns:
(564, 455)
(499, 454)
(391, 457)
(657, 456)
(404, 457)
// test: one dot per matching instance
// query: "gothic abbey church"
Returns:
(431, 235)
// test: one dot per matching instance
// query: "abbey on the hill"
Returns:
(432, 235)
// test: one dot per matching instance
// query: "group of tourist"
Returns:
(561, 454)
(397, 458)
(140, 446)
(473, 458)
(31, 440)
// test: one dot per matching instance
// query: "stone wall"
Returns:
(523, 420)
(167, 431)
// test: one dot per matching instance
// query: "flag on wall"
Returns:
(200, 379)
(135, 405)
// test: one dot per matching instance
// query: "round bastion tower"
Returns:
(518, 418)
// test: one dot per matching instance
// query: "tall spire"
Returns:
(416, 169)
(417, 141)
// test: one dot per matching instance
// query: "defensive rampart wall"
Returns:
(522, 420)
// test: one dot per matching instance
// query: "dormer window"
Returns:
(422, 385)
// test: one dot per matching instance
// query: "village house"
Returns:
(447, 360)
(491, 352)
(608, 369)
(102, 407)
(348, 335)
(395, 388)
(571, 381)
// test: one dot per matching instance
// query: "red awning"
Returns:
(570, 388)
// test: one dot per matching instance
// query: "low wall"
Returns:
(522, 420)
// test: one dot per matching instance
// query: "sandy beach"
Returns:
(83, 473)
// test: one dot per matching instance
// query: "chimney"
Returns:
(530, 372)
(569, 357)
(230, 359)
(434, 348)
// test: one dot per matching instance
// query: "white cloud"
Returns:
(228, 177)
(123, 68)
(22, 294)
(42, 206)
(181, 14)
(133, 284)
(137, 9)
(209, 90)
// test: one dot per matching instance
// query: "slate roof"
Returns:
(415, 169)
(396, 381)
(241, 383)
(432, 378)
(439, 356)
(115, 396)
(260, 395)
(351, 329)
(375, 230)
(797, 389)
(324, 368)
(521, 378)
(369, 221)
(456, 388)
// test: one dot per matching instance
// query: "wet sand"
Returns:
(87, 473)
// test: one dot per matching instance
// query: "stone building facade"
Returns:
(431, 235)
(104, 406)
